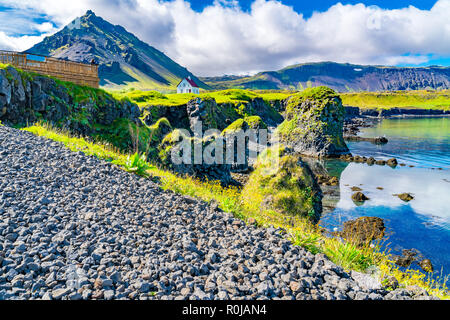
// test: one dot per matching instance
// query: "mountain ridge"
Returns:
(124, 60)
(342, 77)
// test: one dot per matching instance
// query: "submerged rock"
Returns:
(363, 230)
(408, 256)
(327, 180)
(313, 123)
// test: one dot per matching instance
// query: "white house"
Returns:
(187, 85)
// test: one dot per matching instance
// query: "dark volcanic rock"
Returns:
(27, 99)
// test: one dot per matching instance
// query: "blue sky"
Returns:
(214, 37)
(308, 7)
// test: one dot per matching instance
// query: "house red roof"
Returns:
(190, 81)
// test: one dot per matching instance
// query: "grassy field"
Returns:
(419, 99)
(301, 231)
(144, 98)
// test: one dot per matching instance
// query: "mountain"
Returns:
(124, 60)
(342, 77)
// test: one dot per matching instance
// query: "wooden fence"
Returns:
(76, 72)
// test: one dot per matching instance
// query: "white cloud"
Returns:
(224, 39)
(18, 43)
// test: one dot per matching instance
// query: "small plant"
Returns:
(137, 163)
(348, 255)
(308, 241)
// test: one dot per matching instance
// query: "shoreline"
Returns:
(357, 112)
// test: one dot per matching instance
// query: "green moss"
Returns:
(284, 184)
(234, 96)
(124, 134)
(251, 122)
(320, 94)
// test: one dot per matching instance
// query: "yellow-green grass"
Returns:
(235, 96)
(417, 99)
(301, 230)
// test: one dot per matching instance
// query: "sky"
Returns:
(217, 37)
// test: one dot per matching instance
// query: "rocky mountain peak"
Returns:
(124, 60)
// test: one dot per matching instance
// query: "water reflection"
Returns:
(424, 222)
(428, 187)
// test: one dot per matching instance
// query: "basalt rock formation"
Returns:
(313, 124)
(27, 98)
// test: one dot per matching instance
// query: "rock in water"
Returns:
(381, 140)
(426, 265)
(408, 256)
(363, 230)
(313, 123)
(392, 162)
(405, 196)
(284, 184)
(359, 197)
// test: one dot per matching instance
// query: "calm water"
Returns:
(423, 223)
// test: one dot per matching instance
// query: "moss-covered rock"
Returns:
(314, 123)
(252, 122)
(204, 170)
(239, 132)
(220, 115)
(26, 98)
(284, 184)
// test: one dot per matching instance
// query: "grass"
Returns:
(420, 99)
(235, 96)
(301, 230)
(137, 164)
(417, 99)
